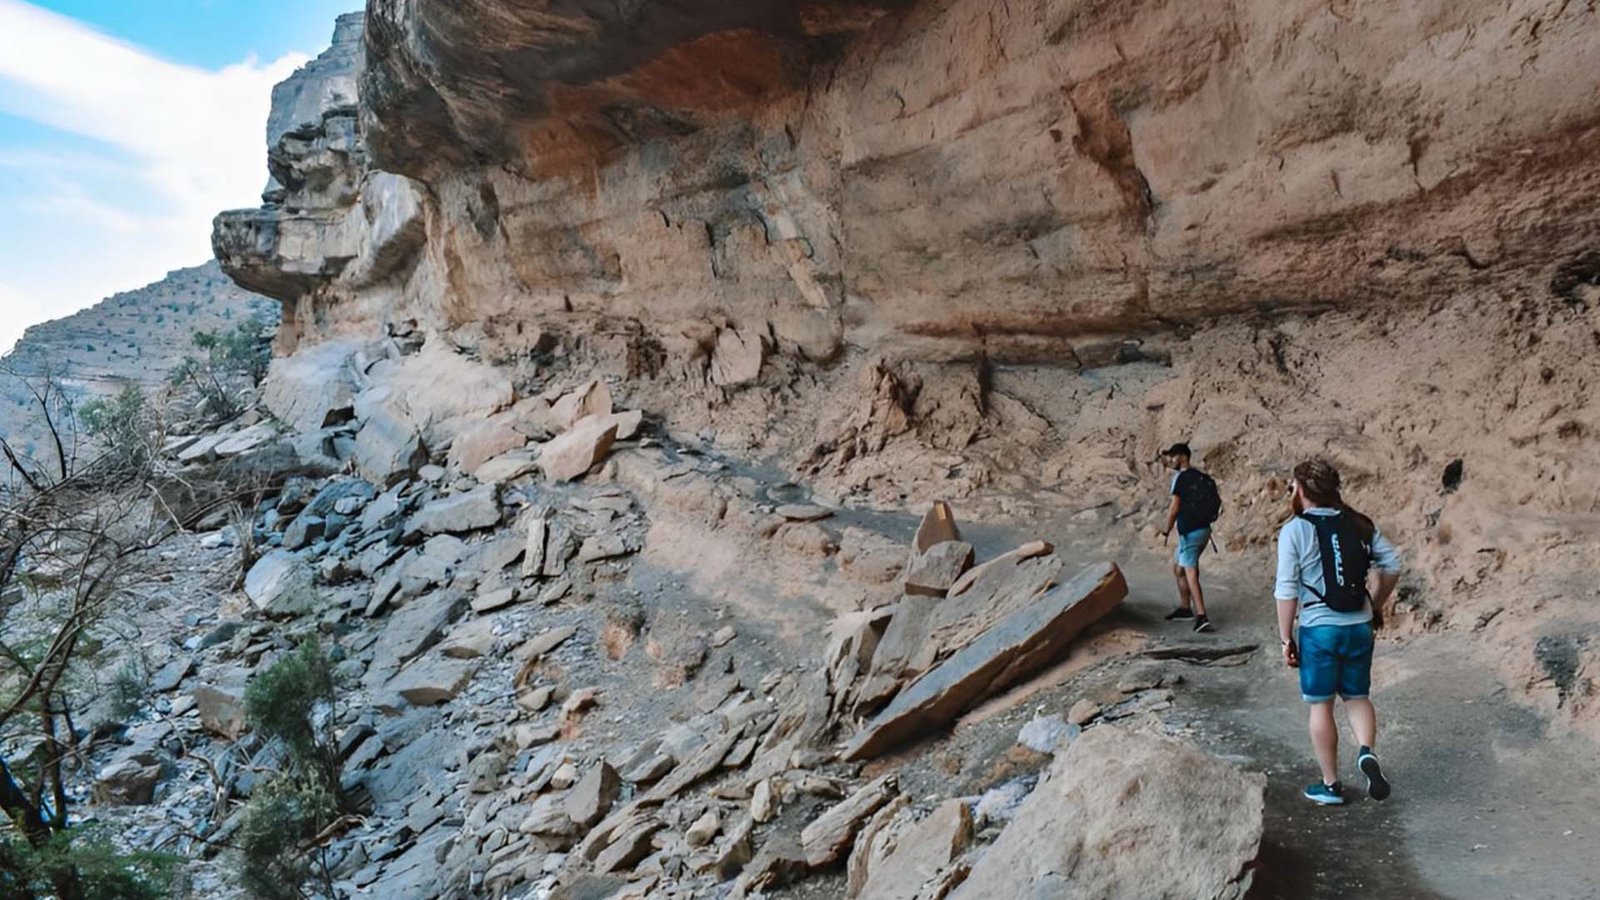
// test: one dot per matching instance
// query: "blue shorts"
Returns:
(1335, 659)
(1190, 546)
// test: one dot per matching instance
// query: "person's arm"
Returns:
(1286, 611)
(1286, 590)
(1386, 560)
(1172, 516)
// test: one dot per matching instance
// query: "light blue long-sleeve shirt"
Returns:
(1300, 571)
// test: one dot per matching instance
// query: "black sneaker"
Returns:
(1202, 625)
(1182, 612)
(1377, 785)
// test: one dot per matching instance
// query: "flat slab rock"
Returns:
(458, 513)
(1018, 645)
(831, 833)
(1129, 816)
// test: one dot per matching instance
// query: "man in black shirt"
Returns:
(1194, 531)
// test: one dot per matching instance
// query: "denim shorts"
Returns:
(1335, 659)
(1190, 546)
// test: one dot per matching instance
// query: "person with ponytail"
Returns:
(1325, 554)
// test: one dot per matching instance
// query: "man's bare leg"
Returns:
(1191, 581)
(1363, 721)
(1183, 586)
(1325, 740)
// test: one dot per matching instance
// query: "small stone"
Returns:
(804, 512)
(536, 699)
(493, 600)
(723, 635)
(704, 829)
(1083, 712)
(541, 644)
(603, 546)
(764, 801)
(566, 776)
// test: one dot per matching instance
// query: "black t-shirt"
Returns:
(1180, 483)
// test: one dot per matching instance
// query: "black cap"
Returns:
(1179, 449)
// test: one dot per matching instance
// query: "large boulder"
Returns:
(1128, 816)
(220, 704)
(388, 446)
(1016, 646)
(314, 388)
(280, 583)
(129, 779)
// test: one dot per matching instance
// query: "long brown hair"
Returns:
(1319, 481)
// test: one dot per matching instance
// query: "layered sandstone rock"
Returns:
(933, 176)
(328, 218)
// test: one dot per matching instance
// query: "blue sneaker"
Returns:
(1377, 785)
(1325, 794)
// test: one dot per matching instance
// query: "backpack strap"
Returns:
(1322, 599)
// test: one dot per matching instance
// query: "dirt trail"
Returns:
(1489, 801)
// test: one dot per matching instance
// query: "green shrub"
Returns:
(120, 425)
(278, 824)
(84, 864)
(128, 689)
(285, 703)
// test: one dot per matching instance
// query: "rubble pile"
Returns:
(519, 712)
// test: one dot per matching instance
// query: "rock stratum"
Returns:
(952, 177)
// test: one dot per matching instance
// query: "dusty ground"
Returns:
(1491, 799)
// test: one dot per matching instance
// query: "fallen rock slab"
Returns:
(388, 447)
(433, 680)
(938, 526)
(570, 455)
(1026, 551)
(313, 388)
(459, 513)
(1127, 816)
(921, 854)
(830, 833)
(1018, 645)
(1200, 652)
(592, 797)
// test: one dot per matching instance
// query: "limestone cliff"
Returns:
(951, 175)
(897, 245)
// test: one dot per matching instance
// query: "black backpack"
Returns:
(1346, 557)
(1199, 501)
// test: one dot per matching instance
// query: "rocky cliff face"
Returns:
(1002, 252)
(329, 223)
(949, 177)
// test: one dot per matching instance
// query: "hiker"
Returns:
(1195, 506)
(1324, 556)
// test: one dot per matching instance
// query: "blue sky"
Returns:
(124, 126)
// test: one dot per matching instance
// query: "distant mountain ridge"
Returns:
(134, 337)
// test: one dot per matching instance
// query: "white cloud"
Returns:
(187, 142)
